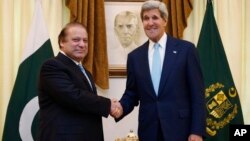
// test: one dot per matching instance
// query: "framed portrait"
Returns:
(124, 33)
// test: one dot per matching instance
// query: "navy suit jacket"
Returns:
(179, 108)
(69, 109)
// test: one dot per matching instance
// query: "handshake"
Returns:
(116, 109)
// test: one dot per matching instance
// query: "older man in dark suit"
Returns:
(165, 78)
(70, 109)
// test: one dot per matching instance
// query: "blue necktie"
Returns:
(156, 68)
(84, 72)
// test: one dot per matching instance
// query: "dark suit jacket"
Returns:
(69, 109)
(179, 109)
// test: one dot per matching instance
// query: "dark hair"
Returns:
(63, 33)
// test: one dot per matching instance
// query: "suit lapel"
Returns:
(91, 80)
(68, 62)
(171, 53)
(147, 69)
(143, 57)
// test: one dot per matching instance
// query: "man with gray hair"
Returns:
(165, 78)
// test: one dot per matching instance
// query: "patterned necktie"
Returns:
(85, 74)
(156, 68)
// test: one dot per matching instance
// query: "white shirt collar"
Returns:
(162, 42)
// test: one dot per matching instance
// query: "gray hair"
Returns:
(154, 4)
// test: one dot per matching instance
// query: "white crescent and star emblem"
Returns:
(26, 119)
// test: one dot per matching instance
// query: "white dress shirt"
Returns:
(162, 49)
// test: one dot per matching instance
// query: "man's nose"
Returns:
(150, 21)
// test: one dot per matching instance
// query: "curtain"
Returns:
(91, 14)
(233, 21)
(179, 11)
(15, 20)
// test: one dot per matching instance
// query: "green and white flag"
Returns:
(222, 99)
(21, 121)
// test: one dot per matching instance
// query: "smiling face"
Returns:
(154, 25)
(75, 43)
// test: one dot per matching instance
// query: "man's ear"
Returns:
(166, 22)
(61, 44)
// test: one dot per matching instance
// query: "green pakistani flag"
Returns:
(222, 99)
(21, 121)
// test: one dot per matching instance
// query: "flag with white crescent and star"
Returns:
(21, 121)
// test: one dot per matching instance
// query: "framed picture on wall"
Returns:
(124, 33)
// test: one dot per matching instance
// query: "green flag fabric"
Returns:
(21, 121)
(222, 99)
